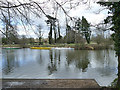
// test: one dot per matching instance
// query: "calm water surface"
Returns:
(100, 65)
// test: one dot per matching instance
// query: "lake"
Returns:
(100, 65)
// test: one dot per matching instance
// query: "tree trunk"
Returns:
(55, 34)
(87, 39)
(50, 34)
(118, 83)
(40, 40)
(7, 34)
(59, 30)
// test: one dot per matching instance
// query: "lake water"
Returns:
(100, 65)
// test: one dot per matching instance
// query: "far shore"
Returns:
(75, 46)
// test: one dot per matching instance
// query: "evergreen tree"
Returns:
(114, 19)
(86, 29)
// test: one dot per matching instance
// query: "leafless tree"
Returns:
(21, 12)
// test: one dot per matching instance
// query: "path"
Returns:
(49, 83)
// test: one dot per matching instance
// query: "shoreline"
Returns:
(75, 46)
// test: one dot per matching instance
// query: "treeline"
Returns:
(70, 39)
(76, 33)
(79, 32)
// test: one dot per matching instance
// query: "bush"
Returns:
(114, 83)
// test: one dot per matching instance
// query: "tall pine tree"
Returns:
(86, 29)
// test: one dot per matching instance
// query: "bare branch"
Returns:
(63, 9)
(15, 6)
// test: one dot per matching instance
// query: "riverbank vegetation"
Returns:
(31, 42)
(79, 43)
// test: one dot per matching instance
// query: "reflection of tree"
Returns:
(7, 68)
(82, 64)
(80, 58)
(102, 57)
(39, 57)
(99, 54)
(52, 67)
(69, 57)
(59, 57)
(9, 62)
(105, 71)
(103, 62)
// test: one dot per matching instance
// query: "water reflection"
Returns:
(24, 63)
(105, 61)
(39, 57)
(52, 65)
(80, 59)
(10, 62)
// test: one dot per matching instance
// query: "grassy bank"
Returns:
(75, 46)
(93, 47)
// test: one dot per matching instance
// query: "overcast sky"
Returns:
(90, 11)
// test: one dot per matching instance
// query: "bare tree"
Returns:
(39, 34)
(21, 11)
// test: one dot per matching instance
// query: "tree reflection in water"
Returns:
(10, 62)
(104, 63)
(52, 65)
(39, 57)
(60, 63)
(80, 59)
(55, 59)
